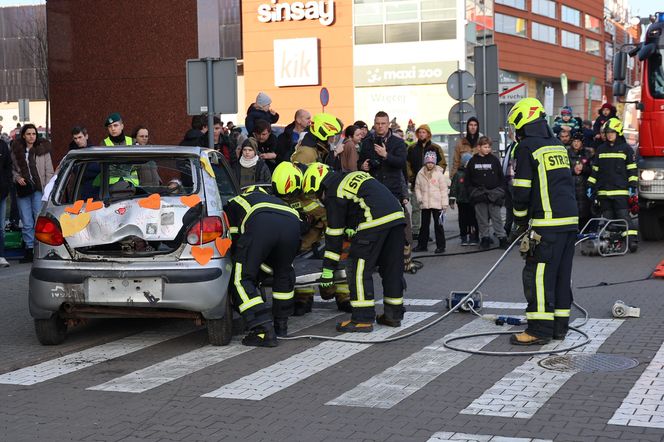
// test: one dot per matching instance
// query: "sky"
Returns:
(20, 2)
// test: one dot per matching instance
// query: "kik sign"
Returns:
(296, 62)
(276, 11)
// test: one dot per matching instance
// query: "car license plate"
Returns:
(143, 290)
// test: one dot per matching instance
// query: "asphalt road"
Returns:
(137, 380)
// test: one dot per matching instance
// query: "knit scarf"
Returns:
(248, 163)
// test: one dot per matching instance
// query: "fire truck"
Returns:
(644, 112)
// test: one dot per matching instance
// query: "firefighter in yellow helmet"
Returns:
(544, 202)
(360, 206)
(287, 185)
(315, 145)
(614, 179)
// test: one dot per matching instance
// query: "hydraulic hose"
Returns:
(424, 327)
(457, 338)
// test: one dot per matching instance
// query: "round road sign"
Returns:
(459, 115)
(461, 85)
(324, 96)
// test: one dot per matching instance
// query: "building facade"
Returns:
(392, 55)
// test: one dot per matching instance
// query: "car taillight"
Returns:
(48, 232)
(209, 229)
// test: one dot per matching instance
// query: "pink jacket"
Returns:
(432, 193)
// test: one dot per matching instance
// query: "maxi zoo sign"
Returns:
(323, 11)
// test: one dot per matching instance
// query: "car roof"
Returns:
(135, 150)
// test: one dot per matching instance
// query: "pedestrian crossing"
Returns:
(520, 394)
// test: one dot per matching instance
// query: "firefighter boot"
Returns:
(261, 336)
(281, 327)
(343, 299)
(303, 301)
(384, 320)
(525, 338)
(354, 327)
(560, 328)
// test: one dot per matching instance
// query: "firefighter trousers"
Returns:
(273, 239)
(618, 208)
(368, 250)
(547, 284)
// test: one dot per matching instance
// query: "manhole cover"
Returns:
(588, 363)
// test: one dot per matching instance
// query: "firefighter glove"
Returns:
(517, 231)
(326, 278)
(350, 232)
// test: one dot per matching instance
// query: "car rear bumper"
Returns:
(180, 286)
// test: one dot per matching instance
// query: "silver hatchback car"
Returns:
(134, 232)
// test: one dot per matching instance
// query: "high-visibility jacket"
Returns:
(115, 172)
(358, 201)
(128, 141)
(613, 170)
(543, 187)
(241, 208)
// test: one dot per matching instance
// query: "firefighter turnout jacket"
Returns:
(543, 189)
(242, 207)
(613, 170)
(358, 201)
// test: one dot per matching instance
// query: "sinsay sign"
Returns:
(275, 11)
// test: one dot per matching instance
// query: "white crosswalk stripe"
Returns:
(521, 393)
(283, 374)
(465, 437)
(195, 360)
(393, 385)
(505, 305)
(644, 404)
(54, 368)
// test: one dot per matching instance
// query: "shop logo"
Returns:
(296, 62)
(323, 11)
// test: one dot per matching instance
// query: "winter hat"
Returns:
(113, 118)
(566, 110)
(251, 142)
(606, 106)
(262, 99)
(430, 157)
(465, 158)
(424, 127)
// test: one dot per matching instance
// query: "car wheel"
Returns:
(220, 331)
(51, 331)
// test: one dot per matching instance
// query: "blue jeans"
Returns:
(3, 207)
(29, 207)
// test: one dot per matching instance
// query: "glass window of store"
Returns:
(570, 15)
(544, 33)
(510, 25)
(518, 4)
(395, 21)
(592, 23)
(592, 46)
(570, 40)
(544, 7)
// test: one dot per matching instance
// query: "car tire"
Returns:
(220, 331)
(51, 331)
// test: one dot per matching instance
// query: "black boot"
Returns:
(344, 306)
(281, 327)
(302, 307)
(27, 257)
(261, 336)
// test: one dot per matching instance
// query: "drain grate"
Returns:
(590, 363)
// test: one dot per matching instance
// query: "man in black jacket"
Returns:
(5, 185)
(384, 157)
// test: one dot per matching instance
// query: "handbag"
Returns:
(27, 190)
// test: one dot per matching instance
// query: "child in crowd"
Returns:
(431, 191)
(459, 194)
(484, 179)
